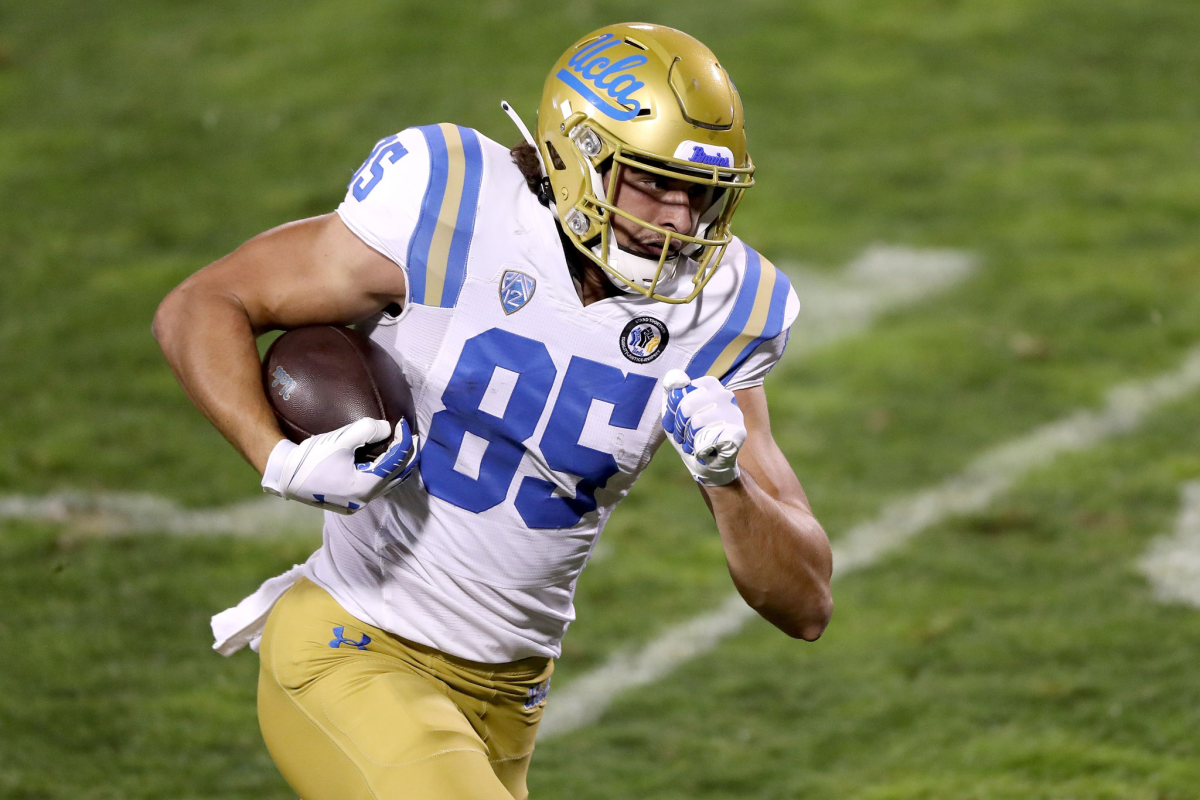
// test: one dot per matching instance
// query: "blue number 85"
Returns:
(536, 501)
(360, 185)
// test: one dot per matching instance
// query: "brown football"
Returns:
(322, 377)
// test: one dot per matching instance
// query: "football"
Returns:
(322, 377)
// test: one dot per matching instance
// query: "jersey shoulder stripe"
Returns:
(757, 315)
(441, 241)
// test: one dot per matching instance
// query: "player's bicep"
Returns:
(341, 267)
(386, 198)
(760, 455)
(313, 271)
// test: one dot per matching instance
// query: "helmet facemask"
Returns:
(589, 224)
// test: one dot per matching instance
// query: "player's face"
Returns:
(669, 203)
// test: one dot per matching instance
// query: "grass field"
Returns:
(1015, 653)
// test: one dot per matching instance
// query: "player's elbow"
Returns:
(195, 302)
(817, 622)
(808, 619)
(171, 314)
(165, 315)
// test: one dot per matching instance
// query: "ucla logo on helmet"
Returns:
(644, 339)
(515, 290)
(590, 73)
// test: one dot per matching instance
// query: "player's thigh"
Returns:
(376, 749)
(511, 729)
(311, 761)
(345, 723)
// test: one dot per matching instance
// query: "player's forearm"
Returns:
(778, 555)
(208, 340)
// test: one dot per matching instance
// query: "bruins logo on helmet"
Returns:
(654, 99)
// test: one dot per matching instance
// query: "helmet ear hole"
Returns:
(555, 158)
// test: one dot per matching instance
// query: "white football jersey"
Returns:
(537, 414)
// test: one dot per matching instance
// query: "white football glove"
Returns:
(321, 471)
(703, 421)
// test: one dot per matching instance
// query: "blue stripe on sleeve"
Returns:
(435, 192)
(464, 226)
(735, 324)
(774, 325)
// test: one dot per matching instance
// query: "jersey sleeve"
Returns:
(415, 200)
(383, 200)
(753, 369)
(754, 333)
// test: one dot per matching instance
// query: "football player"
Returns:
(560, 310)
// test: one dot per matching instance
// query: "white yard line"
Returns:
(585, 699)
(1173, 561)
(834, 307)
(116, 513)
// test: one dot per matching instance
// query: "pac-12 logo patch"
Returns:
(644, 339)
(515, 290)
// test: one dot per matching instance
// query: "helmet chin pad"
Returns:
(638, 269)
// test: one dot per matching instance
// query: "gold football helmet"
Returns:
(654, 99)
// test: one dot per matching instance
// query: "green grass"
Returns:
(110, 689)
(1012, 654)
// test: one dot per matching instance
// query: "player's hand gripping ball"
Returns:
(703, 421)
(321, 470)
(335, 392)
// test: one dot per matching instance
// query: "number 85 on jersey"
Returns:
(466, 413)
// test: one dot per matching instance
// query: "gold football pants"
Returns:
(351, 712)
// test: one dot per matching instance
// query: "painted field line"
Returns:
(585, 699)
(834, 307)
(1172, 563)
(110, 514)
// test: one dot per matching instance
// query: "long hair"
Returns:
(526, 158)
